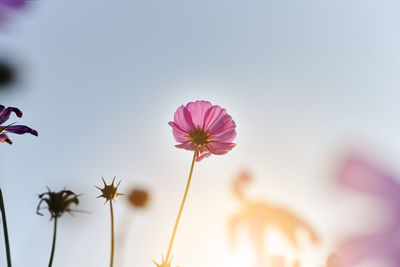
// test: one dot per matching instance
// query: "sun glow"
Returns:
(278, 252)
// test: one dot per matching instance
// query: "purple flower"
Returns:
(5, 114)
(384, 243)
(7, 6)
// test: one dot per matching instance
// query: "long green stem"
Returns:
(181, 208)
(4, 220)
(112, 234)
(53, 247)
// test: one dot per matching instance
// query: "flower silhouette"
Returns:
(58, 202)
(110, 192)
(5, 114)
(205, 127)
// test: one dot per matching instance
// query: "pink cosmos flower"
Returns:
(371, 179)
(203, 126)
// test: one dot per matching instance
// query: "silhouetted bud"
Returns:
(109, 192)
(138, 198)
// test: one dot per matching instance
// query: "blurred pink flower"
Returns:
(369, 178)
(8, 6)
(202, 125)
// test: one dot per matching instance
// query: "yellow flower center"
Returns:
(199, 137)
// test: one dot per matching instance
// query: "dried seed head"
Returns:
(57, 202)
(109, 192)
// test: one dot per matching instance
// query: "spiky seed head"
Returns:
(109, 192)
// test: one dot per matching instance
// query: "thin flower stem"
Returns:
(4, 220)
(53, 247)
(182, 204)
(112, 234)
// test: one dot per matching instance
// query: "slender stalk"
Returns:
(4, 220)
(53, 247)
(112, 234)
(182, 204)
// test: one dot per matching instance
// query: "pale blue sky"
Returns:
(101, 80)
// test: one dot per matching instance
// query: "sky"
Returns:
(305, 81)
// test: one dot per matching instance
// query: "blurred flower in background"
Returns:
(8, 74)
(9, 6)
(138, 198)
(280, 261)
(369, 178)
(333, 260)
(257, 216)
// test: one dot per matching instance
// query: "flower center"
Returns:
(199, 138)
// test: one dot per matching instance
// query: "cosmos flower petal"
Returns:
(219, 148)
(1, 107)
(198, 110)
(212, 115)
(201, 157)
(4, 138)
(6, 113)
(369, 178)
(225, 137)
(188, 145)
(366, 177)
(202, 153)
(14, 3)
(21, 129)
(356, 250)
(221, 125)
(179, 134)
(183, 119)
